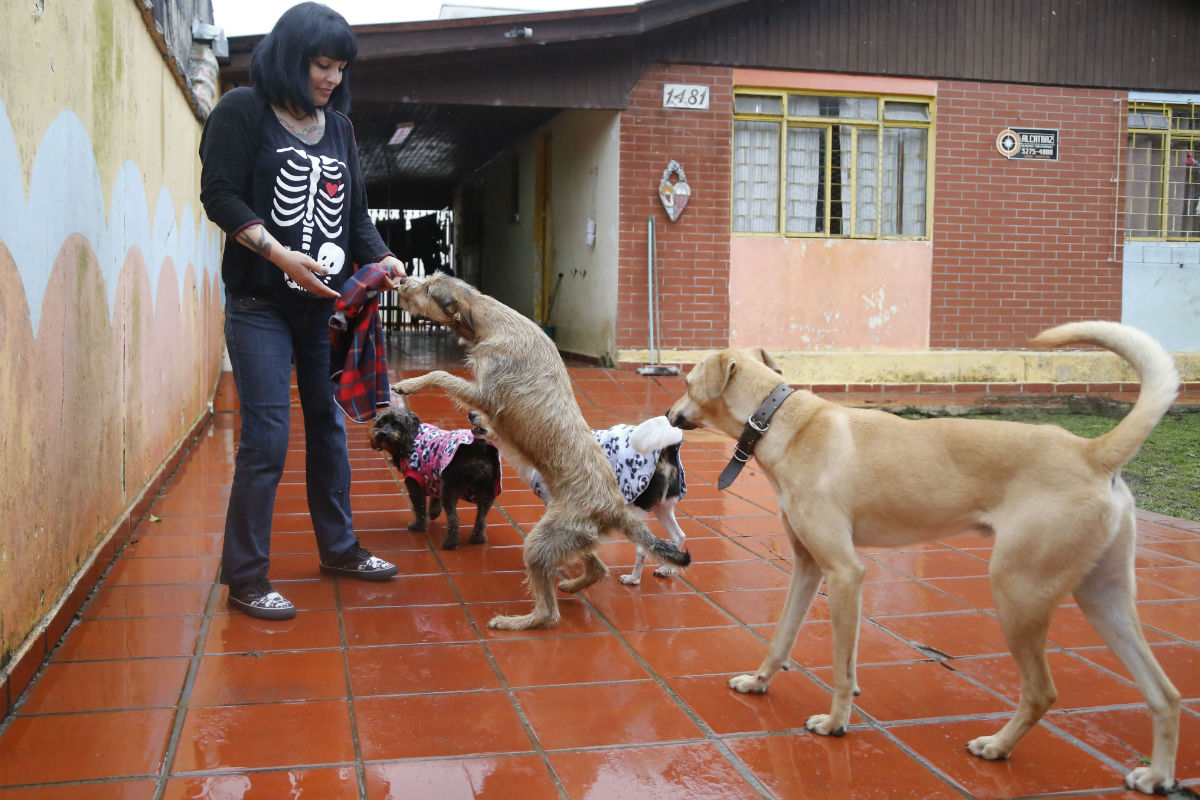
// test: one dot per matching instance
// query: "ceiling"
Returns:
(446, 145)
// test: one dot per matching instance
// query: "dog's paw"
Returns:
(632, 579)
(987, 748)
(748, 684)
(665, 572)
(1147, 781)
(418, 526)
(478, 538)
(520, 623)
(408, 386)
(824, 725)
(450, 544)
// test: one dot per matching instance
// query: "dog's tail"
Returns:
(654, 434)
(1155, 369)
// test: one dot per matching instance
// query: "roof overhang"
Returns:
(473, 87)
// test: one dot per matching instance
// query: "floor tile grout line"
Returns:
(355, 738)
(16, 703)
(185, 693)
(1173, 639)
(506, 687)
(870, 721)
(710, 735)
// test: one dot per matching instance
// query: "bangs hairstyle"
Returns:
(280, 63)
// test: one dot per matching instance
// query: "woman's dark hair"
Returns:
(280, 63)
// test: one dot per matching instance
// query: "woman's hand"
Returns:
(296, 265)
(395, 268)
(300, 268)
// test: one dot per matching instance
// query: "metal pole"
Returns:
(650, 292)
(653, 368)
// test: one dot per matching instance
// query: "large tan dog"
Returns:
(523, 388)
(1062, 517)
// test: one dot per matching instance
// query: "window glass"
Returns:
(906, 112)
(757, 104)
(1186, 119)
(1147, 119)
(805, 182)
(808, 105)
(903, 181)
(866, 188)
(1161, 175)
(756, 176)
(832, 167)
(1143, 183)
(1183, 187)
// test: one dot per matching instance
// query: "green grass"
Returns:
(1164, 475)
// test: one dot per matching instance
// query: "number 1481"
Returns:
(685, 95)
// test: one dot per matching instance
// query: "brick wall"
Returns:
(1020, 245)
(692, 256)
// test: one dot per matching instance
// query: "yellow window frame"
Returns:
(1169, 136)
(879, 124)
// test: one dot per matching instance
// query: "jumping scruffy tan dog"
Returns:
(1062, 518)
(523, 388)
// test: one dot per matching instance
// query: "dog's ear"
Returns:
(409, 422)
(456, 308)
(713, 373)
(462, 316)
(763, 356)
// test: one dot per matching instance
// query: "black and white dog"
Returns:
(442, 466)
(645, 459)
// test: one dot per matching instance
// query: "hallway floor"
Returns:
(399, 690)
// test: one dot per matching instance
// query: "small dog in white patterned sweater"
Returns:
(645, 460)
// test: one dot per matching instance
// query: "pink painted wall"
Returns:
(829, 294)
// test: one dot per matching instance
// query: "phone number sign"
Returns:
(1038, 143)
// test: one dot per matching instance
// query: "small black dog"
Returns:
(441, 465)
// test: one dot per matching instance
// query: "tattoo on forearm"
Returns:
(262, 245)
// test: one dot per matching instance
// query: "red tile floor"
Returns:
(399, 690)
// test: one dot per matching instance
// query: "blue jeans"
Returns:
(265, 335)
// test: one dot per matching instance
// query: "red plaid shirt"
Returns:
(357, 358)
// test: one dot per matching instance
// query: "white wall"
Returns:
(508, 260)
(1160, 292)
(585, 151)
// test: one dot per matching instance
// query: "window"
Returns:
(1162, 172)
(830, 165)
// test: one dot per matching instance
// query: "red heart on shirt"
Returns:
(331, 189)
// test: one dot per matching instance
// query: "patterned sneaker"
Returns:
(358, 563)
(259, 600)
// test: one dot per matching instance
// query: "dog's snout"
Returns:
(679, 420)
(473, 416)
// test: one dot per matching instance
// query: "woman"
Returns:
(281, 177)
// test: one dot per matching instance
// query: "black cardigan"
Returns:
(228, 146)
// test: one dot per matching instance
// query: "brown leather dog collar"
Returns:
(756, 426)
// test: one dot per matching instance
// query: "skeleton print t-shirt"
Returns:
(304, 194)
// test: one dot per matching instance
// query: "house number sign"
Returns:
(685, 95)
